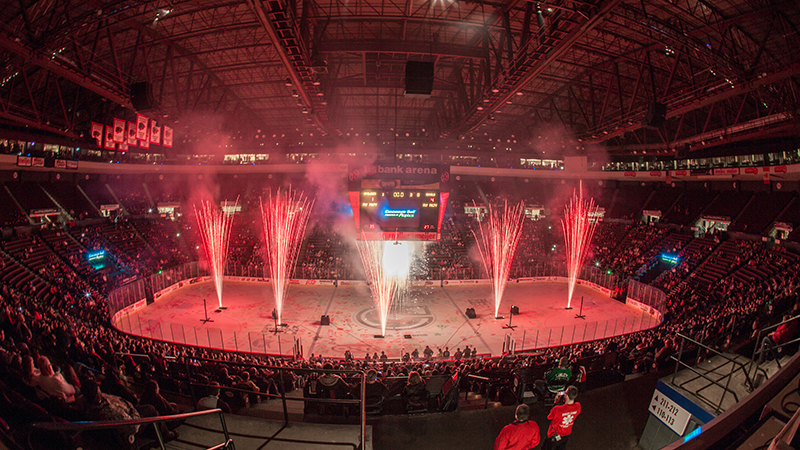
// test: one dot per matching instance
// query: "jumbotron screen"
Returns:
(400, 210)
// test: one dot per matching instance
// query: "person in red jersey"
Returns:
(562, 417)
(522, 434)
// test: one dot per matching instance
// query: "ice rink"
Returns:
(427, 315)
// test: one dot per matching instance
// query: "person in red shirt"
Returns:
(783, 334)
(562, 417)
(519, 435)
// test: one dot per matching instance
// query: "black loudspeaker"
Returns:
(419, 79)
(142, 96)
(515, 310)
(471, 313)
(325, 320)
(655, 116)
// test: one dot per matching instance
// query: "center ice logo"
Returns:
(404, 319)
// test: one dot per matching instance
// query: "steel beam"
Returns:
(509, 90)
(91, 82)
(300, 84)
(393, 46)
(678, 110)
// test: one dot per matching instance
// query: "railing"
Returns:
(705, 374)
(760, 347)
(284, 398)
(647, 295)
(109, 424)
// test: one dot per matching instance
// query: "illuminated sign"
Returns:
(96, 255)
(693, 434)
(672, 259)
(401, 213)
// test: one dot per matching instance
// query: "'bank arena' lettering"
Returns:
(408, 170)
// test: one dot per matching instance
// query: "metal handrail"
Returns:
(266, 394)
(104, 424)
(725, 388)
(757, 349)
(283, 396)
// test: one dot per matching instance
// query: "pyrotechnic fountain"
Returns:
(497, 243)
(284, 217)
(578, 232)
(386, 264)
(215, 231)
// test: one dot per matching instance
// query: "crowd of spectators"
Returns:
(64, 360)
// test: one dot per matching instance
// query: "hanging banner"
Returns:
(109, 142)
(155, 133)
(141, 127)
(167, 136)
(132, 142)
(123, 146)
(97, 133)
(145, 143)
(119, 130)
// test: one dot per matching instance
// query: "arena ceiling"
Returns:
(508, 73)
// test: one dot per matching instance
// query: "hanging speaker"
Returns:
(419, 79)
(655, 116)
(325, 320)
(471, 313)
(142, 96)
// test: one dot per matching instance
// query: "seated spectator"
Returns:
(331, 386)
(415, 395)
(212, 400)
(556, 379)
(247, 384)
(113, 384)
(152, 396)
(375, 392)
(53, 383)
(101, 406)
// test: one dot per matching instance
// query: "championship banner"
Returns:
(144, 143)
(155, 133)
(141, 127)
(109, 142)
(167, 136)
(132, 135)
(97, 133)
(119, 130)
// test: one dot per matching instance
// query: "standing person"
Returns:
(562, 417)
(522, 434)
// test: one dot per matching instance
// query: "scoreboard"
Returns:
(400, 210)
(399, 201)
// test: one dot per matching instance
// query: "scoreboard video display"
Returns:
(410, 210)
(398, 201)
